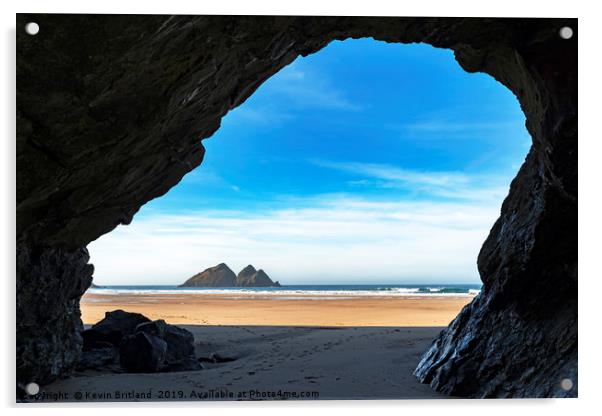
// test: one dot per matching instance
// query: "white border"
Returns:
(590, 153)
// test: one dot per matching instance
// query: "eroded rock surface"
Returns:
(142, 353)
(112, 328)
(117, 115)
(137, 344)
(106, 358)
(180, 354)
(50, 284)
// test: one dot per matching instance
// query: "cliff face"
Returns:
(249, 277)
(217, 276)
(110, 114)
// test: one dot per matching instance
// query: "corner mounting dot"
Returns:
(32, 389)
(565, 32)
(566, 384)
(32, 28)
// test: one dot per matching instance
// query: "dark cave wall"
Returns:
(49, 286)
(117, 115)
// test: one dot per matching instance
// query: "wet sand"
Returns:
(196, 309)
(276, 363)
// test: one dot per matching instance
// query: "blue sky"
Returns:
(366, 162)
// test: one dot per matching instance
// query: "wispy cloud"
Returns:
(279, 100)
(263, 114)
(309, 88)
(446, 126)
(329, 239)
(449, 124)
(441, 184)
(208, 177)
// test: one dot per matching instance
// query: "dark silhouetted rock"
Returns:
(249, 277)
(217, 276)
(118, 335)
(49, 285)
(180, 344)
(99, 358)
(142, 353)
(112, 328)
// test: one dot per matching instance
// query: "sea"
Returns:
(303, 290)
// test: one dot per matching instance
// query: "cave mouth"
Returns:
(362, 154)
(399, 161)
(86, 185)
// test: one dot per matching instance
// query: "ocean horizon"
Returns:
(448, 289)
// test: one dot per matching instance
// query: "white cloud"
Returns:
(262, 114)
(331, 239)
(208, 177)
(450, 124)
(309, 89)
(280, 97)
(446, 126)
(441, 184)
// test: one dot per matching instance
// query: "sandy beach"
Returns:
(317, 349)
(275, 363)
(203, 309)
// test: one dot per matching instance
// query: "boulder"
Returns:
(180, 355)
(115, 325)
(142, 353)
(139, 344)
(100, 358)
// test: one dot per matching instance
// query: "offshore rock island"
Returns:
(222, 276)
